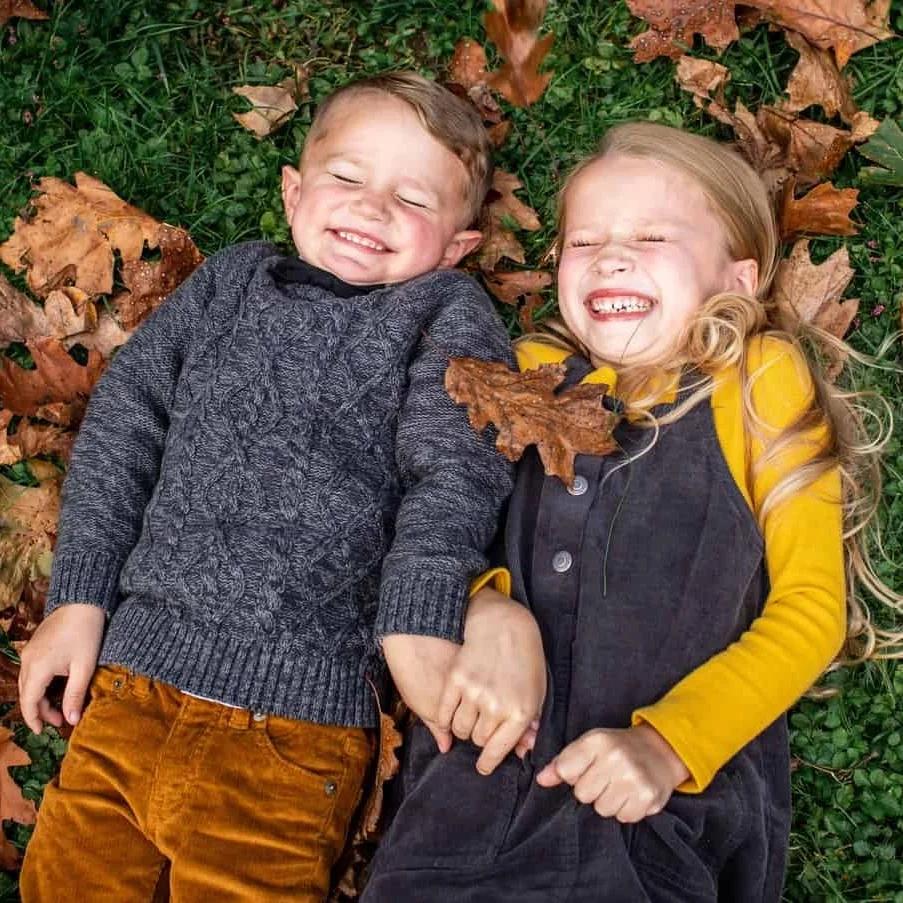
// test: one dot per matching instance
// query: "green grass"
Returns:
(139, 95)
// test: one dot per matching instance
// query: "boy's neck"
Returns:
(298, 270)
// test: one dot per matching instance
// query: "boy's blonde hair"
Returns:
(719, 338)
(453, 122)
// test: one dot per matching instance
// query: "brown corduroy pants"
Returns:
(234, 805)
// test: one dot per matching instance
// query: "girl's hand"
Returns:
(497, 683)
(628, 774)
(67, 643)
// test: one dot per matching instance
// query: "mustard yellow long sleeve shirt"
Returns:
(717, 709)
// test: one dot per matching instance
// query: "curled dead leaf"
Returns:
(825, 210)
(674, 23)
(513, 27)
(526, 410)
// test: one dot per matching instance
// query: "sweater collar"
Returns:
(295, 270)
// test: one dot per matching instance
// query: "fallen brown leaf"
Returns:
(72, 235)
(56, 378)
(844, 26)
(468, 64)
(19, 9)
(813, 293)
(526, 311)
(509, 286)
(273, 105)
(502, 205)
(673, 24)
(148, 283)
(13, 805)
(526, 411)
(513, 27)
(825, 210)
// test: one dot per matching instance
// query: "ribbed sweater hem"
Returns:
(150, 640)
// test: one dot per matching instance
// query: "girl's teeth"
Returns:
(620, 305)
(360, 240)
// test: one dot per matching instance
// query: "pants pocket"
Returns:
(450, 815)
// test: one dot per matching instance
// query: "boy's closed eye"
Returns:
(411, 202)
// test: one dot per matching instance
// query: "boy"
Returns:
(269, 477)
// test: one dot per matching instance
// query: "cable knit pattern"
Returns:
(271, 475)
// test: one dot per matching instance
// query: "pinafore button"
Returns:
(579, 486)
(561, 562)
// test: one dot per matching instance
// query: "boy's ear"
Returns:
(461, 244)
(745, 277)
(291, 189)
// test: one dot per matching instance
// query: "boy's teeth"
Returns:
(360, 240)
(628, 303)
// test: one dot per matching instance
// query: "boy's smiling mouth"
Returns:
(360, 240)
(609, 304)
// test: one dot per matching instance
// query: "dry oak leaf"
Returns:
(844, 26)
(107, 337)
(9, 685)
(510, 286)
(25, 557)
(56, 378)
(825, 210)
(148, 283)
(526, 311)
(19, 9)
(32, 508)
(498, 239)
(72, 234)
(673, 23)
(817, 81)
(273, 105)
(468, 64)
(390, 740)
(13, 805)
(526, 411)
(32, 439)
(811, 293)
(704, 79)
(20, 317)
(513, 27)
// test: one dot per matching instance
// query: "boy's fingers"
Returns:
(502, 741)
(76, 688)
(31, 692)
(567, 766)
(48, 714)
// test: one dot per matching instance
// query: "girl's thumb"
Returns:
(442, 736)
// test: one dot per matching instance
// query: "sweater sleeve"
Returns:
(730, 699)
(453, 479)
(116, 457)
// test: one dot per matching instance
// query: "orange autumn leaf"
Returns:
(674, 23)
(72, 235)
(387, 765)
(20, 317)
(56, 378)
(502, 205)
(843, 26)
(148, 283)
(272, 105)
(813, 293)
(825, 210)
(19, 9)
(13, 805)
(513, 27)
(468, 64)
(509, 286)
(526, 311)
(525, 410)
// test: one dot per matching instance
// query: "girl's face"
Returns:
(641, 252)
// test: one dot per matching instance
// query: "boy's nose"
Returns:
(370, 205)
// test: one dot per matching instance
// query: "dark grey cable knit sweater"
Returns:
(270, 475)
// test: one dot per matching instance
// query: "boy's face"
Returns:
(377, 198)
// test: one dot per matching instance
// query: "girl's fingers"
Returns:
(591, 785)
(464, 719)
(486, 725)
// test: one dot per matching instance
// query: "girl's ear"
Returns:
(744, 277)
(461, 244)
(291, 190)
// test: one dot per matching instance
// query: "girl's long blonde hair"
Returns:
(855, 433)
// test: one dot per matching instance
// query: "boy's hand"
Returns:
(67, 643)
(420, 666)
(497, 683)
(628, 774)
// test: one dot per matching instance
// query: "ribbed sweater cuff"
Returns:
(422, 604)
(88, 577)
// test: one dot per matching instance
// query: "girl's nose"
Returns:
(611, 261)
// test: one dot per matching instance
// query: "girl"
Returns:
(689, 588)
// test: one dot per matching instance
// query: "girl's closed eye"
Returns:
(650, 238)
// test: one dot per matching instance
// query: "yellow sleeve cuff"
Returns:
(498, 578)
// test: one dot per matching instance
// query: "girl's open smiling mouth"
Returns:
(609, 304)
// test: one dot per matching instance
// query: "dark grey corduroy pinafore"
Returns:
(637, 574)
